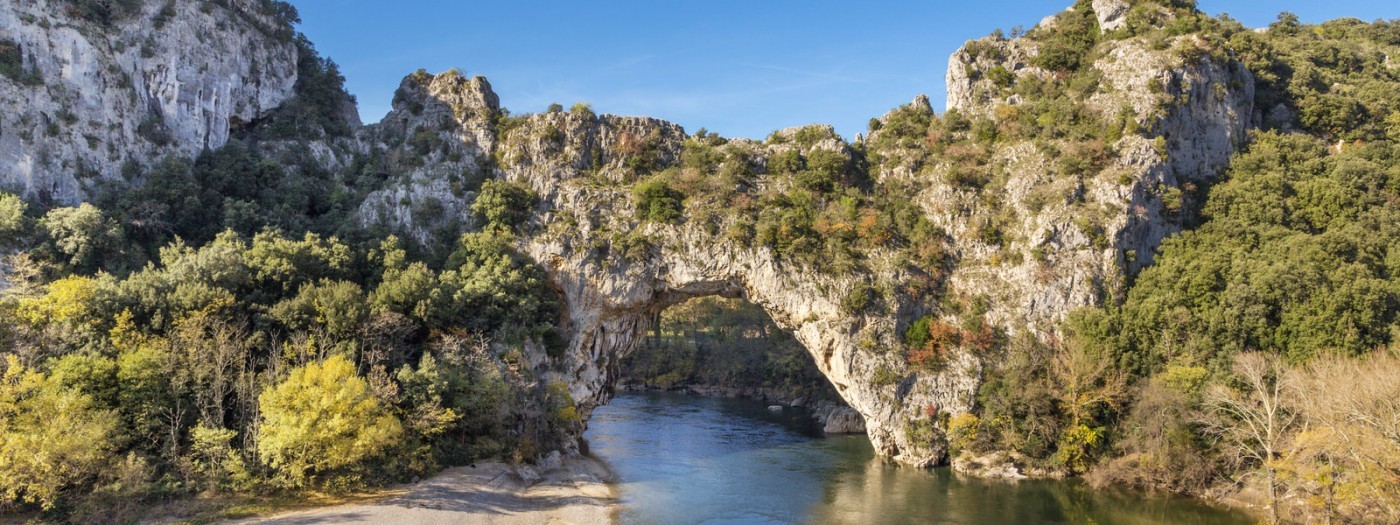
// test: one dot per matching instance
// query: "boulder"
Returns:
(844, 420)
(1112, 14)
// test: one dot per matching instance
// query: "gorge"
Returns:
(583, 166)
(919, 264)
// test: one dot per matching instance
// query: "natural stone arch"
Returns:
(583, 167)
(609, 314)
(610, 300)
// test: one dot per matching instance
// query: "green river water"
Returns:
(688, 460)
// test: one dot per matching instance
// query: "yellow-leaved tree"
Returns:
(323, 422)
(52, 438)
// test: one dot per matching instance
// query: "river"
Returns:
(688, 459)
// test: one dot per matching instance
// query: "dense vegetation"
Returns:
(255, 363)
(223, 325)
(809, 200)
(1278, 313)
(727, 343)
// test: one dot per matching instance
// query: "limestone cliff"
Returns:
(438, 139)
(1072, 239)
(171, 78)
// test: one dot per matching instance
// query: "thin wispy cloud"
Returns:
(834, 77)
(629, 62)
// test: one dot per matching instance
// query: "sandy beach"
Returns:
(489, 493)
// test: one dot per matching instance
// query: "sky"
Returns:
(742, 68)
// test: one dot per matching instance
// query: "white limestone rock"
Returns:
(146, 87)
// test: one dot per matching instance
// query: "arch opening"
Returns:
(730, 347)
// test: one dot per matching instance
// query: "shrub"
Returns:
(787, 162)
(1065, 45)
(858, 300)
(657, 201)
(962, 432)
(322, 421)
(12, 64)
(583, 110)
(1001, 77)
(825, 170)
(503, 206)
(103, 11)
(52, 439)
(928, 341)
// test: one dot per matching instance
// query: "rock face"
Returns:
(577, 163)
(88, 96)
(1078, 238)
(1112, 14)
(440, 135)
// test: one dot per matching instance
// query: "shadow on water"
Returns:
(688, 459)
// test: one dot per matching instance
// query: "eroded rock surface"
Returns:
(167, 80)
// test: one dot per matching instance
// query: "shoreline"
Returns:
(580, 490)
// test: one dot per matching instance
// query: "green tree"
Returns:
(340, 307)
(503, 206)
(489, 286)
(412, 291)
(13, 223)
(283, 264)
(657, 201)
(85, 238)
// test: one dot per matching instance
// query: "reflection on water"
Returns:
(686, 459)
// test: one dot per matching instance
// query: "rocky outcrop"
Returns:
(1001, 465)
(1112, 14)
(836, 418)
(437, 142)
(173, 78)
(1071, 240)
(616, 273)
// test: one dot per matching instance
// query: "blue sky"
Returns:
(740, 68)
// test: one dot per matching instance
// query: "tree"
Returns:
(1287, 23)
(13, 224)
(323, 420)
(283, 264)
(503, 206)
(213, 348)
(83, 236)
(1090, 392)
(339, 307)
(826, 170)
(1251, 415)
(1346, 458)
(657, 201)
(489, 287)
(411, 291)
(52, 438)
